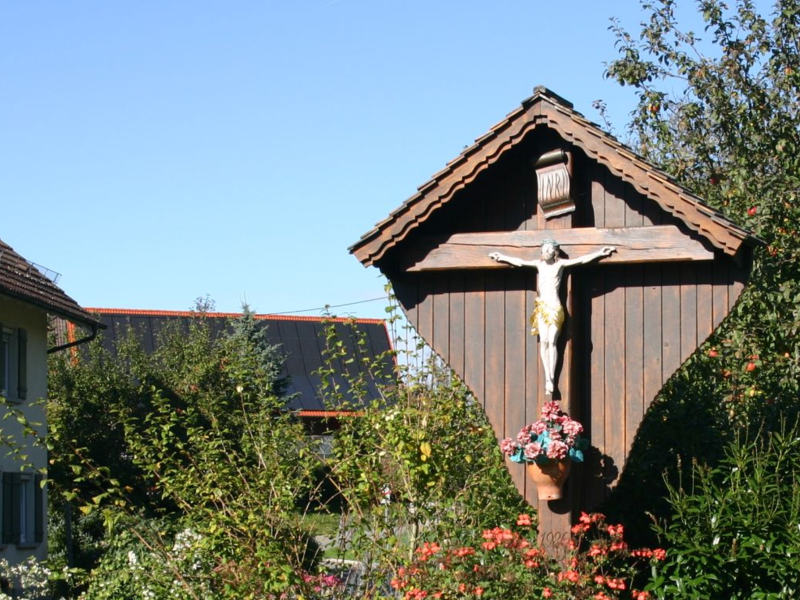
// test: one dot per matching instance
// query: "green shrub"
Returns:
(735, 528)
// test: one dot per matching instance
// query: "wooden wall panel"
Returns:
(494, 390)
(533, 381)
(457, 322)
(474, 335)
(441, 316)
(688, 322)
(514, 363)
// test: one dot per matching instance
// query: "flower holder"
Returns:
(549, 478)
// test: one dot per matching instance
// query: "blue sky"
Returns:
(156, 151)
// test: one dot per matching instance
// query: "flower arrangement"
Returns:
(553, 437)
(506, 562)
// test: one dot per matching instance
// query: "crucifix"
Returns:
(633, 327)
(548, 316)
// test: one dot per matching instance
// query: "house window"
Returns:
(14, 364)
(23, 509)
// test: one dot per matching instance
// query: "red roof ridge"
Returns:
(225, 315)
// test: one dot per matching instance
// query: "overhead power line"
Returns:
(305, 310)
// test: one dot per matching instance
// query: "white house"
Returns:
(27, 297)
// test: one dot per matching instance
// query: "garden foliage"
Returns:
(420, 463)
(718, 111)
(192, 459)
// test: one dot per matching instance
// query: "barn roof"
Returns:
(546, 109)
(300, 339)
(22, 280)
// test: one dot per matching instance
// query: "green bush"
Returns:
(420, 463)
(735, 527)
(195, 441)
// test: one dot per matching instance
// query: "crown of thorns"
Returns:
(552, 242)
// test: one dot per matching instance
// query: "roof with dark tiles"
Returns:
(21, 279)
(546, 109)
(300, 339)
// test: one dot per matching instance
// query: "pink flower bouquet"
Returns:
(553, 437)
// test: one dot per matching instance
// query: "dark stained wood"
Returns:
(475, 336)
(514, 362)
(457, 321)
(441, 316)
(533, 381)
(495, 354)
(634, 353)
(671, 319)
(615, 209)
(720, 293)
(424, 321)
(634, 245)
(705, 298)
(688, 322)
(652, 350)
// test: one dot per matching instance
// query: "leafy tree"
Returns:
(196, 465)
(718, 111)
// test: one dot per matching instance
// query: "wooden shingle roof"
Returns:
(22, 280)
(546, 109)
(300, 339)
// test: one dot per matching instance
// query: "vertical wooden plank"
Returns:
(598, 195)
(688, 310)
(515, 333)
(475, 335)
(456, 351)
(705, 299)
(634, 353)
(634, 328)
(495, 350)
(720, 292)
(532, 380)
(424, 324)
(653, 380)
(670, 319)
(595, 419)
(615, 392)
(441, 317)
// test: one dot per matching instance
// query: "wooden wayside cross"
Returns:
(632, 317)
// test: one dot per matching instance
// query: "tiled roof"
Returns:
(546, 109)
(300, 339)
(22, 280)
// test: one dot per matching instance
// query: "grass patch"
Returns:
(320, 523)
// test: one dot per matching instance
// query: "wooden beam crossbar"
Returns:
(661, 243)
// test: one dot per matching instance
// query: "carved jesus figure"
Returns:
(548, 315)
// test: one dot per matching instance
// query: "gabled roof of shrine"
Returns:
(546, 109)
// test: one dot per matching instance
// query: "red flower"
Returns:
(524, 521)
(752, 211)
(546, 593)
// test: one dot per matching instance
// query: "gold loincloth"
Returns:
(549, 313)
